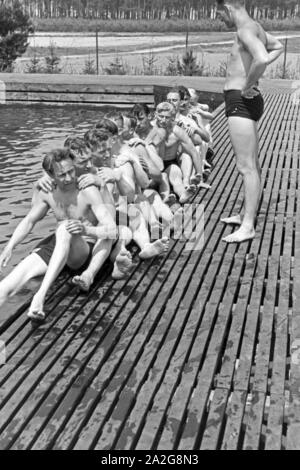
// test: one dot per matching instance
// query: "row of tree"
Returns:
(152, 9)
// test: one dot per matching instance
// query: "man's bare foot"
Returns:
(36, 309)
(187, 194)
(84, 281)
(170, 199)
(155, 248)
(122, 264)
(195, 179)
(234, 220)
(241, 235)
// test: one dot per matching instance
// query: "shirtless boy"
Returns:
(175, 140)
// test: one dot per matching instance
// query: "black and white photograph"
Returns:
(149, 227)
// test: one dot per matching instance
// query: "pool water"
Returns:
(26, 133)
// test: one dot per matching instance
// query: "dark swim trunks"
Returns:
(168, 163)
(46, 247)
(238, 106)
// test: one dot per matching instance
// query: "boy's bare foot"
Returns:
(241, 235)
(122, 264)
(195, 179)
(155, 248)
(84, 281)
(170, 199)
(234, 220)
(36, 309)
(187, 194)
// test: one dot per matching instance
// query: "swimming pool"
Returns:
(26, 133)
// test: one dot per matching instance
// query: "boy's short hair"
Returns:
(115, 116)
(107, 125)
(55, 156)
(181, 90)
(140, 108)
(76, 143)
(166, 106)
(94, 136)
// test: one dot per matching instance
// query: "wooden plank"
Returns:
(254, 419)
(275, 422)
(77, 88)
(79, 97)
(101, 106)
(215, 421)
(235, 414)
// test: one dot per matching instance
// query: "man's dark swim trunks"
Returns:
(238, 106)
(46, 247)
(168, 163)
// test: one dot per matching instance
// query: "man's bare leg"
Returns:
(148, 212)
(120, 256)
(161, 209)
(141, 236)
(176, 180)
(61, 256)
(100, 254)
(244, 138)
(165, 190)
(30, 267)
(186, 166)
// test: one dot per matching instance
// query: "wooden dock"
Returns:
(198, 349)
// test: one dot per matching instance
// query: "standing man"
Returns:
(252, 51)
